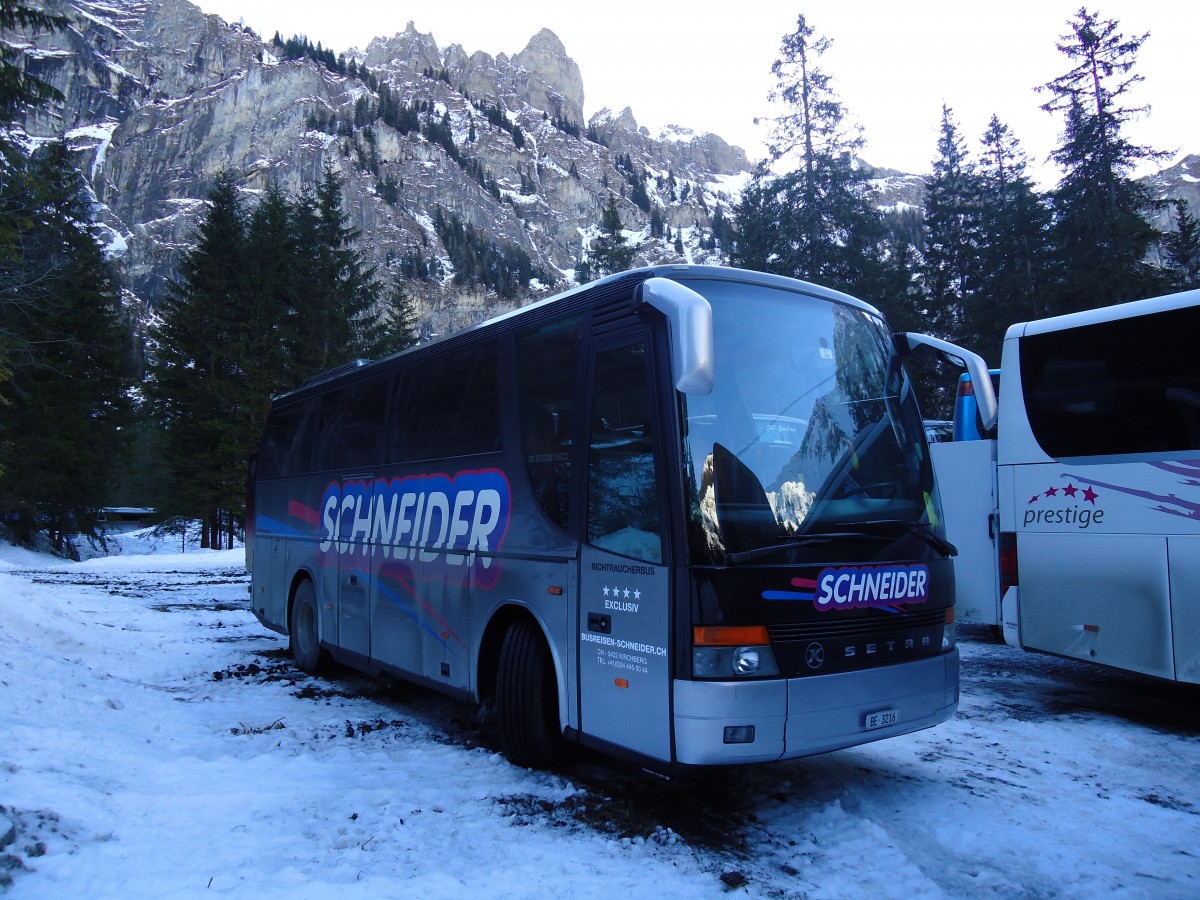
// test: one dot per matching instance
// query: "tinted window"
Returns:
(448, 406)
(1129, 386)
(352, 421)
(623, 509)
(287, 442)
(547, 363)
(812, 424)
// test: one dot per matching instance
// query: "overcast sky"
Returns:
(707, 65)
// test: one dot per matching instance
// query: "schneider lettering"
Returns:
(853, 587)
(425, 517)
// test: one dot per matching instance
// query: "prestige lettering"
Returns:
(1080, 517)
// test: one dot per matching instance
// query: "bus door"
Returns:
(354, 564)
(624, 596)
(966, 478)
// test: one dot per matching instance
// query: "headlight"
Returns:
(949, 636)
(949, 631)
(733, 662)
(746, 660)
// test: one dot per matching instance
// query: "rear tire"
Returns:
(527, 699)
(304, 629)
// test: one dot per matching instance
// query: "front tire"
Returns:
(304, 630)
(527, 699)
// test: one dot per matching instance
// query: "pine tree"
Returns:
(402, 324)
(18, 88)
(656, 224)
(1182, 249)
(67, 404)
(951, 232)
(821, 215)
(757, 230)
(1014, 253)
(337, 314)
(272, 289)
(1101, 234)
(610, 251)
(199, 377)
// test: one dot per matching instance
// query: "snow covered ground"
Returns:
(156, 742)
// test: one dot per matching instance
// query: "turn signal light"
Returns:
(729, 635)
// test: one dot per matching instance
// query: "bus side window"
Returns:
(448, 406)
(623, 507)
(287, 444)
(547, 364)
(351, 432)
(1113, 388)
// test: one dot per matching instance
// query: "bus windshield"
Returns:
(811, 432)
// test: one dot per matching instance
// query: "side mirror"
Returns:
(922, 346)
(690, 318)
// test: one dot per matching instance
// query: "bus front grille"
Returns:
(842, 645)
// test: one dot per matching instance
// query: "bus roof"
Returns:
(1112, 313)
(586, 295)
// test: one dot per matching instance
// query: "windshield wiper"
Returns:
(800, 540)
(862, 531)
(929, 536)
(917, 529)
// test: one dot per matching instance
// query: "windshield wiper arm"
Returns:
(801, 540)
(863, 531)
(934, 540)
(916, 529)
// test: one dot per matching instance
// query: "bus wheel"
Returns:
(304, 635)
(527, 698)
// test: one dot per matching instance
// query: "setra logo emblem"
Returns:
(815, 655)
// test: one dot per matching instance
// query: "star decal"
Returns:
(1090, 496)
(619, 592)
(1052, 492)
(1070, 490)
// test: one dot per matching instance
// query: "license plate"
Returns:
(881, 719)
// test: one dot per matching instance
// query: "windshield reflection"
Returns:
(811, 425)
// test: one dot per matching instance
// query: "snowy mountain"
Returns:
(160, 97)
(1179, 182)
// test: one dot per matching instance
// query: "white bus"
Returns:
(1079, 524)
(685, 515)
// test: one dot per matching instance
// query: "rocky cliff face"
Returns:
(1179, 182)
(160, 97)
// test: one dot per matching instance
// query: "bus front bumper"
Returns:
(803, 716)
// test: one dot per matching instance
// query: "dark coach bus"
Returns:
(682, 514)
